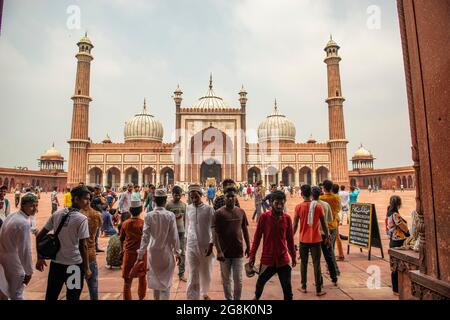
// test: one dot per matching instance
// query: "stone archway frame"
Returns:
(127, 168)
(166, 168)
(311, 171)
(89, 174)
(226, 155)
(294, 173)
(317, 167)
(258, 175)
(154, 172)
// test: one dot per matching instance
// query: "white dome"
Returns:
(143, 127)
(276, 127)
(210, 100)
(362, 152)
(52, 153)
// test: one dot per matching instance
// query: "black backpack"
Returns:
(49, 245)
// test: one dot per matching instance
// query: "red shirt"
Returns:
(309, 234)
(278, 242)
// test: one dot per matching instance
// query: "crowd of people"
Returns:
(183, 235)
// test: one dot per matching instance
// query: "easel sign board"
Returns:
(363, 231)
(359, 231)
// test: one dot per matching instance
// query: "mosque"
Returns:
(210, 143)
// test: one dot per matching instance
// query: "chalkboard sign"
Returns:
(363, 230)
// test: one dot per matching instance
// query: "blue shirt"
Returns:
(354, 195)
(107, 221)
(211, 193)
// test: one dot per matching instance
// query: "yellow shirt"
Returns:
(67, 199)
(335, 204)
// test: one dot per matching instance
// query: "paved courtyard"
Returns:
(352, 282)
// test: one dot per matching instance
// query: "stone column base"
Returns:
(404, 262)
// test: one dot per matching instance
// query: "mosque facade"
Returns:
(210, 140)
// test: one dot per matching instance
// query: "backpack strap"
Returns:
(61, 224)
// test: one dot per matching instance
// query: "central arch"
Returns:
(210, 144)
(210, 168)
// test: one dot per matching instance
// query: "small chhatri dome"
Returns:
(331, 42)
(52, 153)
(210, 100)
(143, 127)
(311, 139)
(362, 153)
(276, 127)
(178, 90)
(85, 39)
(107, 139)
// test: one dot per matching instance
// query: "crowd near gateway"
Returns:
(111, 185)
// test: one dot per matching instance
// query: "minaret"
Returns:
(337, 142)
(243, 101)
(79, 138)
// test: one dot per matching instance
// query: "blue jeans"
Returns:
(92, 283)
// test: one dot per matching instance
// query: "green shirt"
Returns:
(179, 209)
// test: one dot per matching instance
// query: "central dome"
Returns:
(276, 127)
(210, 100)
(143, 127)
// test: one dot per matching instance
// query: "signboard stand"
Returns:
(363, 231)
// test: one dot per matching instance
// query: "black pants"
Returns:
(305, 249)
(326, 251)
(59, 275)
(394, 274)
(284, 274)
(54, 208)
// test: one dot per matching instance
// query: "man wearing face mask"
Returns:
(15, 248)
(275, 227)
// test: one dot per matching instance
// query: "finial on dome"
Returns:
(53, 145)
(276, 106)
(145, 106)
(210, 81)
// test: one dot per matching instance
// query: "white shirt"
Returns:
(344, 195)
(160, 236)
(75, 228)
(159, 229)
(198, 225)
(15, 244)
(125, 201)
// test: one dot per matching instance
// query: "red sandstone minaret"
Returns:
(79, 138)
(338, 142)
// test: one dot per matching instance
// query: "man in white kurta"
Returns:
(160, 238)
(199, 244)
(15, 249)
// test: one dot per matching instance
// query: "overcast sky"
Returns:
(145, 48)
